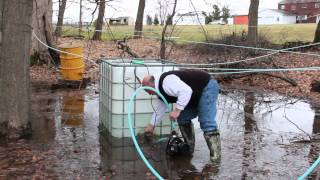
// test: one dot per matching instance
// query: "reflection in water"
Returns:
(72, 114)
(121, 160)
(77, 135)
(250, 126)
(73, 108)
(314, 150)
(69, 120)
(316, 121)
(42, 117)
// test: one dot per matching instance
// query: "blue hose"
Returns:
(310, 169)
(154, 172)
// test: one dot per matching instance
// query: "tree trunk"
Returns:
(62, 8)
(14, 68)
(99, 22)
(42, 28)
(317, 34)
(139, 22)
(253, 22)
(80, 19)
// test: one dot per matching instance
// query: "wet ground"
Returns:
(264, 136)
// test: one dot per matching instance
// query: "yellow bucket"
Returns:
(72, 66)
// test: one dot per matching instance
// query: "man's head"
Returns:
(149, 81)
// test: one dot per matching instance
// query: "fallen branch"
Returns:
(231, 77)
(125, 48)
(286, 79)
(282, 77)
(313, 140)
(298, 127)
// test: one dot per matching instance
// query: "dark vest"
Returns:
(197, 80)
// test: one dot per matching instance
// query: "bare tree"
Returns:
(14, 67)
(139, 22)
(253, 22)
(99, 22)
(163, 10)
(62, 8)
(163, 43)
(317, 33)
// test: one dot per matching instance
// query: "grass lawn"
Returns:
(277, 34)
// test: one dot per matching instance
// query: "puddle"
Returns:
(263, 137)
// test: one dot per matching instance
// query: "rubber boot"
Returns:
(187, 132)
(214, 145)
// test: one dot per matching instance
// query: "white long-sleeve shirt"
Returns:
(172, 86)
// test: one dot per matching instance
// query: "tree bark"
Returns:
(317, 34)
(62, 8)
(139, 22)
(99, 22)
(42, 28)
(253, 22)
(14, 68)
(1, 10)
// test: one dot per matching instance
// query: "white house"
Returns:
(126, 20)
(275, 16)
(190, 18)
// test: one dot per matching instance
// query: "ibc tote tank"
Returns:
(117, 83)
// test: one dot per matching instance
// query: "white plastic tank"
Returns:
(119, 79)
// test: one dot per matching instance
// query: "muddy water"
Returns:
(263, 136)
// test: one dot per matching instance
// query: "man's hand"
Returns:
(149, 129)
(175, 114)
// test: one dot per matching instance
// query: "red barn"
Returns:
(241, 19)
(307, 11)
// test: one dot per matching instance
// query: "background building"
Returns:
(190, 18)
(275, 16)
(306, 11)
(267, 16)
(126, 20)
(240, 19)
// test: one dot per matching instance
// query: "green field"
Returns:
(277, 34)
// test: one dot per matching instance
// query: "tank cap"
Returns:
(141, 62)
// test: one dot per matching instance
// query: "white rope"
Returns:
(287, 50)
(269, 70)
(77, 55)
(239, 71)
(312, 68)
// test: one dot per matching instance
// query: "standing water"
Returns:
(263, 136)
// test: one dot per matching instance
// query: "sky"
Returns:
(130, 7)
